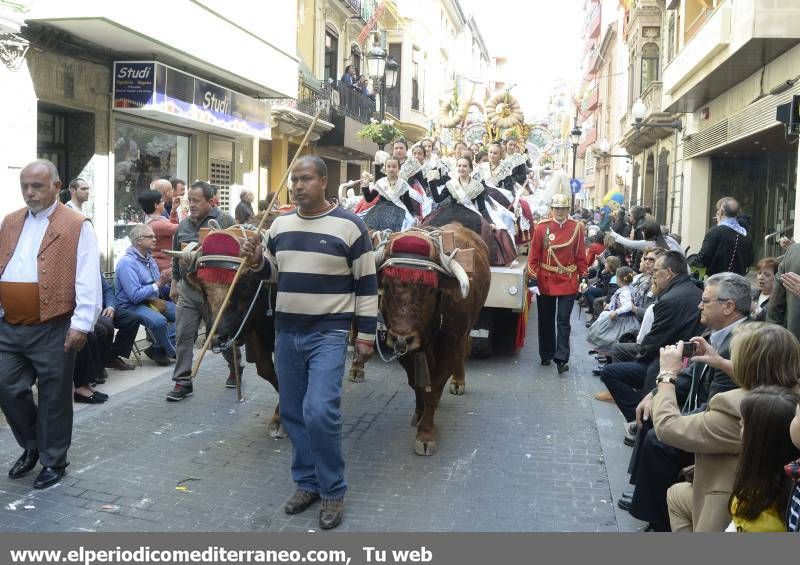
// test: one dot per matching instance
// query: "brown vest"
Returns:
(57, 259)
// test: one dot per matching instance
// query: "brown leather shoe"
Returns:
(300, 500)
(331, 513)
(118, 364)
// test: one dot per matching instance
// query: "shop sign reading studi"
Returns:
(159, 91)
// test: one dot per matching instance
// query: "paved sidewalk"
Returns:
(520, 451)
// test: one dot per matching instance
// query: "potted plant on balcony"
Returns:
(382, 132)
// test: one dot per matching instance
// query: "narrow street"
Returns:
(523, 450)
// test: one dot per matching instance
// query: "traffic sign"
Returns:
(575, 185)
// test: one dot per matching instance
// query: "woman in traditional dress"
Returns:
(396, 209)
(464, 190)
(468, 203)
(500, 174)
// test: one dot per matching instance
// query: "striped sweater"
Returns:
(325, 270)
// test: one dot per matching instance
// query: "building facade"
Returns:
(439, 48)
(109, 97)
(728, 66)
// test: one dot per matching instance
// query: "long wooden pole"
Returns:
(243, 264)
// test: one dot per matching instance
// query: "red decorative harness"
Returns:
(417, 246)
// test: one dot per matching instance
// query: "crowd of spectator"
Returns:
(703, 363)
(142, 290)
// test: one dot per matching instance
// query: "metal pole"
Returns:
(574, 160)
(383, 98)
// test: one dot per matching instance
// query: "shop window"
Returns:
(650, 61)
(142, 155)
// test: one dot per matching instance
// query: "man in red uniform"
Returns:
(556, 265)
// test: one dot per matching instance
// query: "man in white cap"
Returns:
(556, 265)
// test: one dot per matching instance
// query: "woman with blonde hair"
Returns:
(761, 354)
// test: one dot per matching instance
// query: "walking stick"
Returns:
(243, 264)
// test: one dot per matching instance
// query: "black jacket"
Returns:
(675, 317)
(725, 250)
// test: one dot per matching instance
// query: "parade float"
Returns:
(503, 319)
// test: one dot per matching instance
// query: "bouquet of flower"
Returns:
(381, 132)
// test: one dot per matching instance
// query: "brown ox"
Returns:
(256, 330)
(429, 320)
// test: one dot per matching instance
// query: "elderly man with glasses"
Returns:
(138, 284)
(675, 317)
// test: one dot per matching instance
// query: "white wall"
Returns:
(18, 141)
(265, 54)
(267, 20)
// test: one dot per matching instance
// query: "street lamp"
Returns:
(575, 138)
(604, 147)
(639, 112)
(382, 69)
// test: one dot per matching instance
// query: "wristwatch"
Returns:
(666, 378)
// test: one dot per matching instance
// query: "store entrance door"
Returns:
(221, 170)
(780, 195)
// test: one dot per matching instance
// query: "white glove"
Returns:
(535, 290)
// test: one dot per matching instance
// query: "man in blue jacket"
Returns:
(139, 284)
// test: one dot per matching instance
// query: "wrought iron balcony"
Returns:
(352, 102)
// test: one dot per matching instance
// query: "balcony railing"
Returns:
(652, 97)
(331, 97)
(310, 99)
(589, 137)
(362, 8)
(353, 103)
(590, 102)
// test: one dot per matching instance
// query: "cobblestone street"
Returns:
(523, 450)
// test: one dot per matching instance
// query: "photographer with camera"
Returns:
(654, 466)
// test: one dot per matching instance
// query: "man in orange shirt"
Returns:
(556, 264)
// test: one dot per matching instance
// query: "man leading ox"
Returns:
(321, 256)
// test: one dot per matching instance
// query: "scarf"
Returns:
(733, 224)
(493, 176)
(464, 195)
(409, 168)
(391, 192)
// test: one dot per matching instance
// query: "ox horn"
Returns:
(454, 267)
(461, 276)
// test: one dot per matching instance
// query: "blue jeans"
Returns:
(161, 326)
(310, 369)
